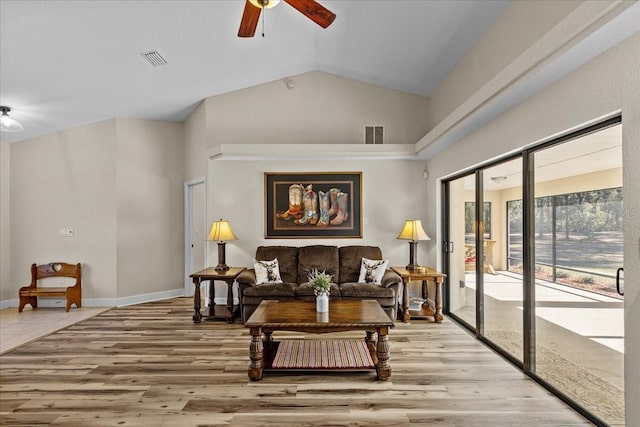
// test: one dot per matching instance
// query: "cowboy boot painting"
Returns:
(333, 198)
(309, 200)
(295, 203)
(323, 221)
(343, 212)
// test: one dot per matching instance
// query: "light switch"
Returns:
(66, 232)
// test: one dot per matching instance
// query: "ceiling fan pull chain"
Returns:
(264, 12)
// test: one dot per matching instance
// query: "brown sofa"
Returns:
(295, 264)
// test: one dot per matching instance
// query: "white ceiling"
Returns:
(69, 63)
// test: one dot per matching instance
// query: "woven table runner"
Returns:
(307, 354)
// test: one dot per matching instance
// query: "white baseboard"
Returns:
(102, 302)
(154, 296)
(223, 301)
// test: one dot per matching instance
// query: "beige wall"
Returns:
(391, 193)
(5, 257)
(321, 109)
(520, 26)
(150, 207)
(119, 185)
(195, 144)
(605, 85)
(66, 180)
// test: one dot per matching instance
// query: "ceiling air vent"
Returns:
(154, 58)
(373, 134)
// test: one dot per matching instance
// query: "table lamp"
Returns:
(413, 232)
(221, 232)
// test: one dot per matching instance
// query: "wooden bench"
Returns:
(73, 294)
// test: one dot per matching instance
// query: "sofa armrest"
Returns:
(390, 278)
(247, 277)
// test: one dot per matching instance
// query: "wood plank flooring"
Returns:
(149, 365)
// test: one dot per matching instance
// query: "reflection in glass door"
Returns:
(461, 249)
(578, 250)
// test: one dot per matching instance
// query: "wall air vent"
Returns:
(373, 134)
(154, 58)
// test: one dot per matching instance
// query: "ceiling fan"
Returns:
(309, 8)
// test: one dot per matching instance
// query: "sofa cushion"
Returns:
(351, 258)
(304, 291)
(323, 258)
(352, 290)
(267, 271)
(371, 271)
(287, 260)
(254, 294)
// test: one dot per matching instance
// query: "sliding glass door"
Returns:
(502, 290)
(578, 249)
(539, 277)
(461, 249)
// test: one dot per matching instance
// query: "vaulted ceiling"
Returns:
(69, 63)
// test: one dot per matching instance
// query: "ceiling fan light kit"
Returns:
(309, 8)
(264, 4)
(7, 124)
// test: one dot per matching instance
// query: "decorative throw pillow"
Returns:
(371, 271)
(267, 271)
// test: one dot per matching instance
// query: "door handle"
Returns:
(448, 247)
(620, 270)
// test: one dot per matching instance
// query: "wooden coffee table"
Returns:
(301, 316)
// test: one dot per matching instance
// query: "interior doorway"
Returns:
(195, 230)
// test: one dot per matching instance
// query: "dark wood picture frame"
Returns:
(286, 219)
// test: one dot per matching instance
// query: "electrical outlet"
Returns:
(66, 232)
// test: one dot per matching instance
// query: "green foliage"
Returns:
(321, 281)
(584, 214)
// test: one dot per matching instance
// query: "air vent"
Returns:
(154, 58)
(373, 134)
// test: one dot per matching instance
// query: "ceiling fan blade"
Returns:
(314, 11)
(249, 22)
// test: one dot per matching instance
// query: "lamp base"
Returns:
(222, 266)
(413, 265)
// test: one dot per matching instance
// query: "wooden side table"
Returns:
(215, 311)
(425, 310)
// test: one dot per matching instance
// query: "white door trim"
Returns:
(187, 229)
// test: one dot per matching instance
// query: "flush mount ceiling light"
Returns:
(7, 124)
(498, 179)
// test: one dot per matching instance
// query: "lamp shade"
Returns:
(221, 231)
(413, 231)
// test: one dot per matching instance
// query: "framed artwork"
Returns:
(313, 205)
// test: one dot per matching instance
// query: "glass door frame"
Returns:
(528, 254)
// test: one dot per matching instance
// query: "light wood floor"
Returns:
(149, 365)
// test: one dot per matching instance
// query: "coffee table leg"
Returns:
(255, 354)
(383, 351)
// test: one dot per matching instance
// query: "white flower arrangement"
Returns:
(321, 281)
